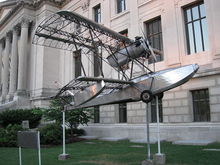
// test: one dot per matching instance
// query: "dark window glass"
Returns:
(78, 63)
(96, 114)
(154, 111)
(97, 64)
(97, 13)
(77, 28)
(124, 32)
(196, 28)
(201, 107)
(154, 35)
(121, 6)
(122, 113)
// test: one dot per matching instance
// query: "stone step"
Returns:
(152, 141)
(89, 137)
(193, 142)
(112, 139)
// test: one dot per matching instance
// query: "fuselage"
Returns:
(156, 83)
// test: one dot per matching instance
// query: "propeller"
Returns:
(149, 46)
(151, 50)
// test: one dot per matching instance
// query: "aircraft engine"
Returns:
(137, 49)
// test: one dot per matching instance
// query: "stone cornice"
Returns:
(7, 3)
(34, 5)
(10, 13)
(25, 22)
(207, 72)
(15, 30)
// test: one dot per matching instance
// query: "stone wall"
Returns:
(169, 132)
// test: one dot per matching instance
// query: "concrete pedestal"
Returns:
(63, 156)
(9, 98)
(21, 92)
(147, 162)
(2, 99)
(159, 159)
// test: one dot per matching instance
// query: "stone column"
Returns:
(6, 67)
(1, 50)
(22, 59)
(14, 63)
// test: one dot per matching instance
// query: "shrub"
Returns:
(8, 136)
(76, 132)
(17, 116)
(51, 134)
(73, 117)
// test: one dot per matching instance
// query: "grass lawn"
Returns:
(113, 153)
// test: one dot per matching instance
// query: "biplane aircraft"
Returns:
(71, 31)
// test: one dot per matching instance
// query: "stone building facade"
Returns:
(186, 31)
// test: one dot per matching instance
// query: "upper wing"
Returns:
(71, 31)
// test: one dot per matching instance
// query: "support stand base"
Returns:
(147, 162)
(159, 159)
(63, 156)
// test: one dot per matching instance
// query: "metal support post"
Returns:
(148, 161)
(158, 125)
(20, 161)
(158, 158)
(63, 156)
(148, 133)
(64, 141)
(39, 153)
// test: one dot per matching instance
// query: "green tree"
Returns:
(73, 117)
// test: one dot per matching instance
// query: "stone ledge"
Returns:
(193, 142)
(8, 105)
(112, 139)
(152, 141)
(89, 137)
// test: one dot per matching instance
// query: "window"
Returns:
(196, 28)
(96, 114)
(154, 111)
(201, 108)
(97, 64)
(77, 29)
(121, 6)
(154, 35)
(97, 72)
(122, 113)
(78, 63)
(97, 13)
(124, 32)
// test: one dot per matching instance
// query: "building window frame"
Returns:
(201, 105)
(154, 110)
(155, 36)
(121, 6)
(96, 114)
(124, 32)
(77, 63)
(122, 112)
(97, 13)
(97, 62)
(196, 27)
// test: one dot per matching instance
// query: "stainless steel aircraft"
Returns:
(71, 31)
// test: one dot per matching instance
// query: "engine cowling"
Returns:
(138, 49)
